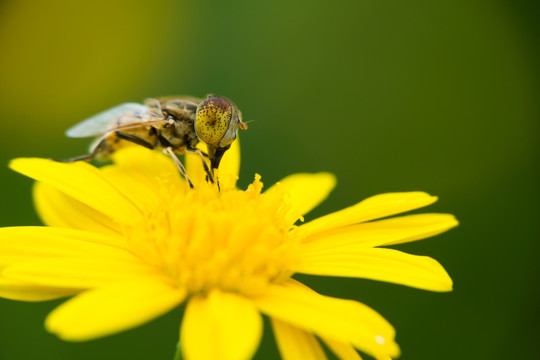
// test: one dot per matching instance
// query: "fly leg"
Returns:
(102, 146)
(178, 163)
(77, 158)
(209, 175)
(134, 139)
(96, 151)
(167, 148)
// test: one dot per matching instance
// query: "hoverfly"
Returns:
(172, 124)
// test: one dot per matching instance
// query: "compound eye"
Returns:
(213, 119)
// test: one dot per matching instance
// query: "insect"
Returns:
(173, 124)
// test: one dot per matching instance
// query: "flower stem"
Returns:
(178, 355)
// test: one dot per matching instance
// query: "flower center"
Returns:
(233, 240)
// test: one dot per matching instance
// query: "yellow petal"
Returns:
(145, 176)
(371, 208)
(377, 264)
(78, 273)
(146, 163)
(295, 343)
(221, 326)
(16, 290)
(83, 182)
(143, 191)
(344, 320)
(382, 232)
(28, 243)
(112, 309)
(343, 351)
(306, 191)
(59, 210)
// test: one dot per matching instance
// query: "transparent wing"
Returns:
(123, 116)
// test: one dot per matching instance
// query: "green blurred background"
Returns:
(439, 96)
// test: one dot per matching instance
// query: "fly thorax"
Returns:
(179, 109)
(180, 134)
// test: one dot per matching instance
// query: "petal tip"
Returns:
(19, 163)
(329, 179)
(446, 283)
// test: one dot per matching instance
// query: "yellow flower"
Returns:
(130, 241)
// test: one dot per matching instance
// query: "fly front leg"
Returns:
(178, 163)
(209, 175)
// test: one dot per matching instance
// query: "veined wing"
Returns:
(121, 117)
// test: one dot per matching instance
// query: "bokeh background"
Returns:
(440, 96)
